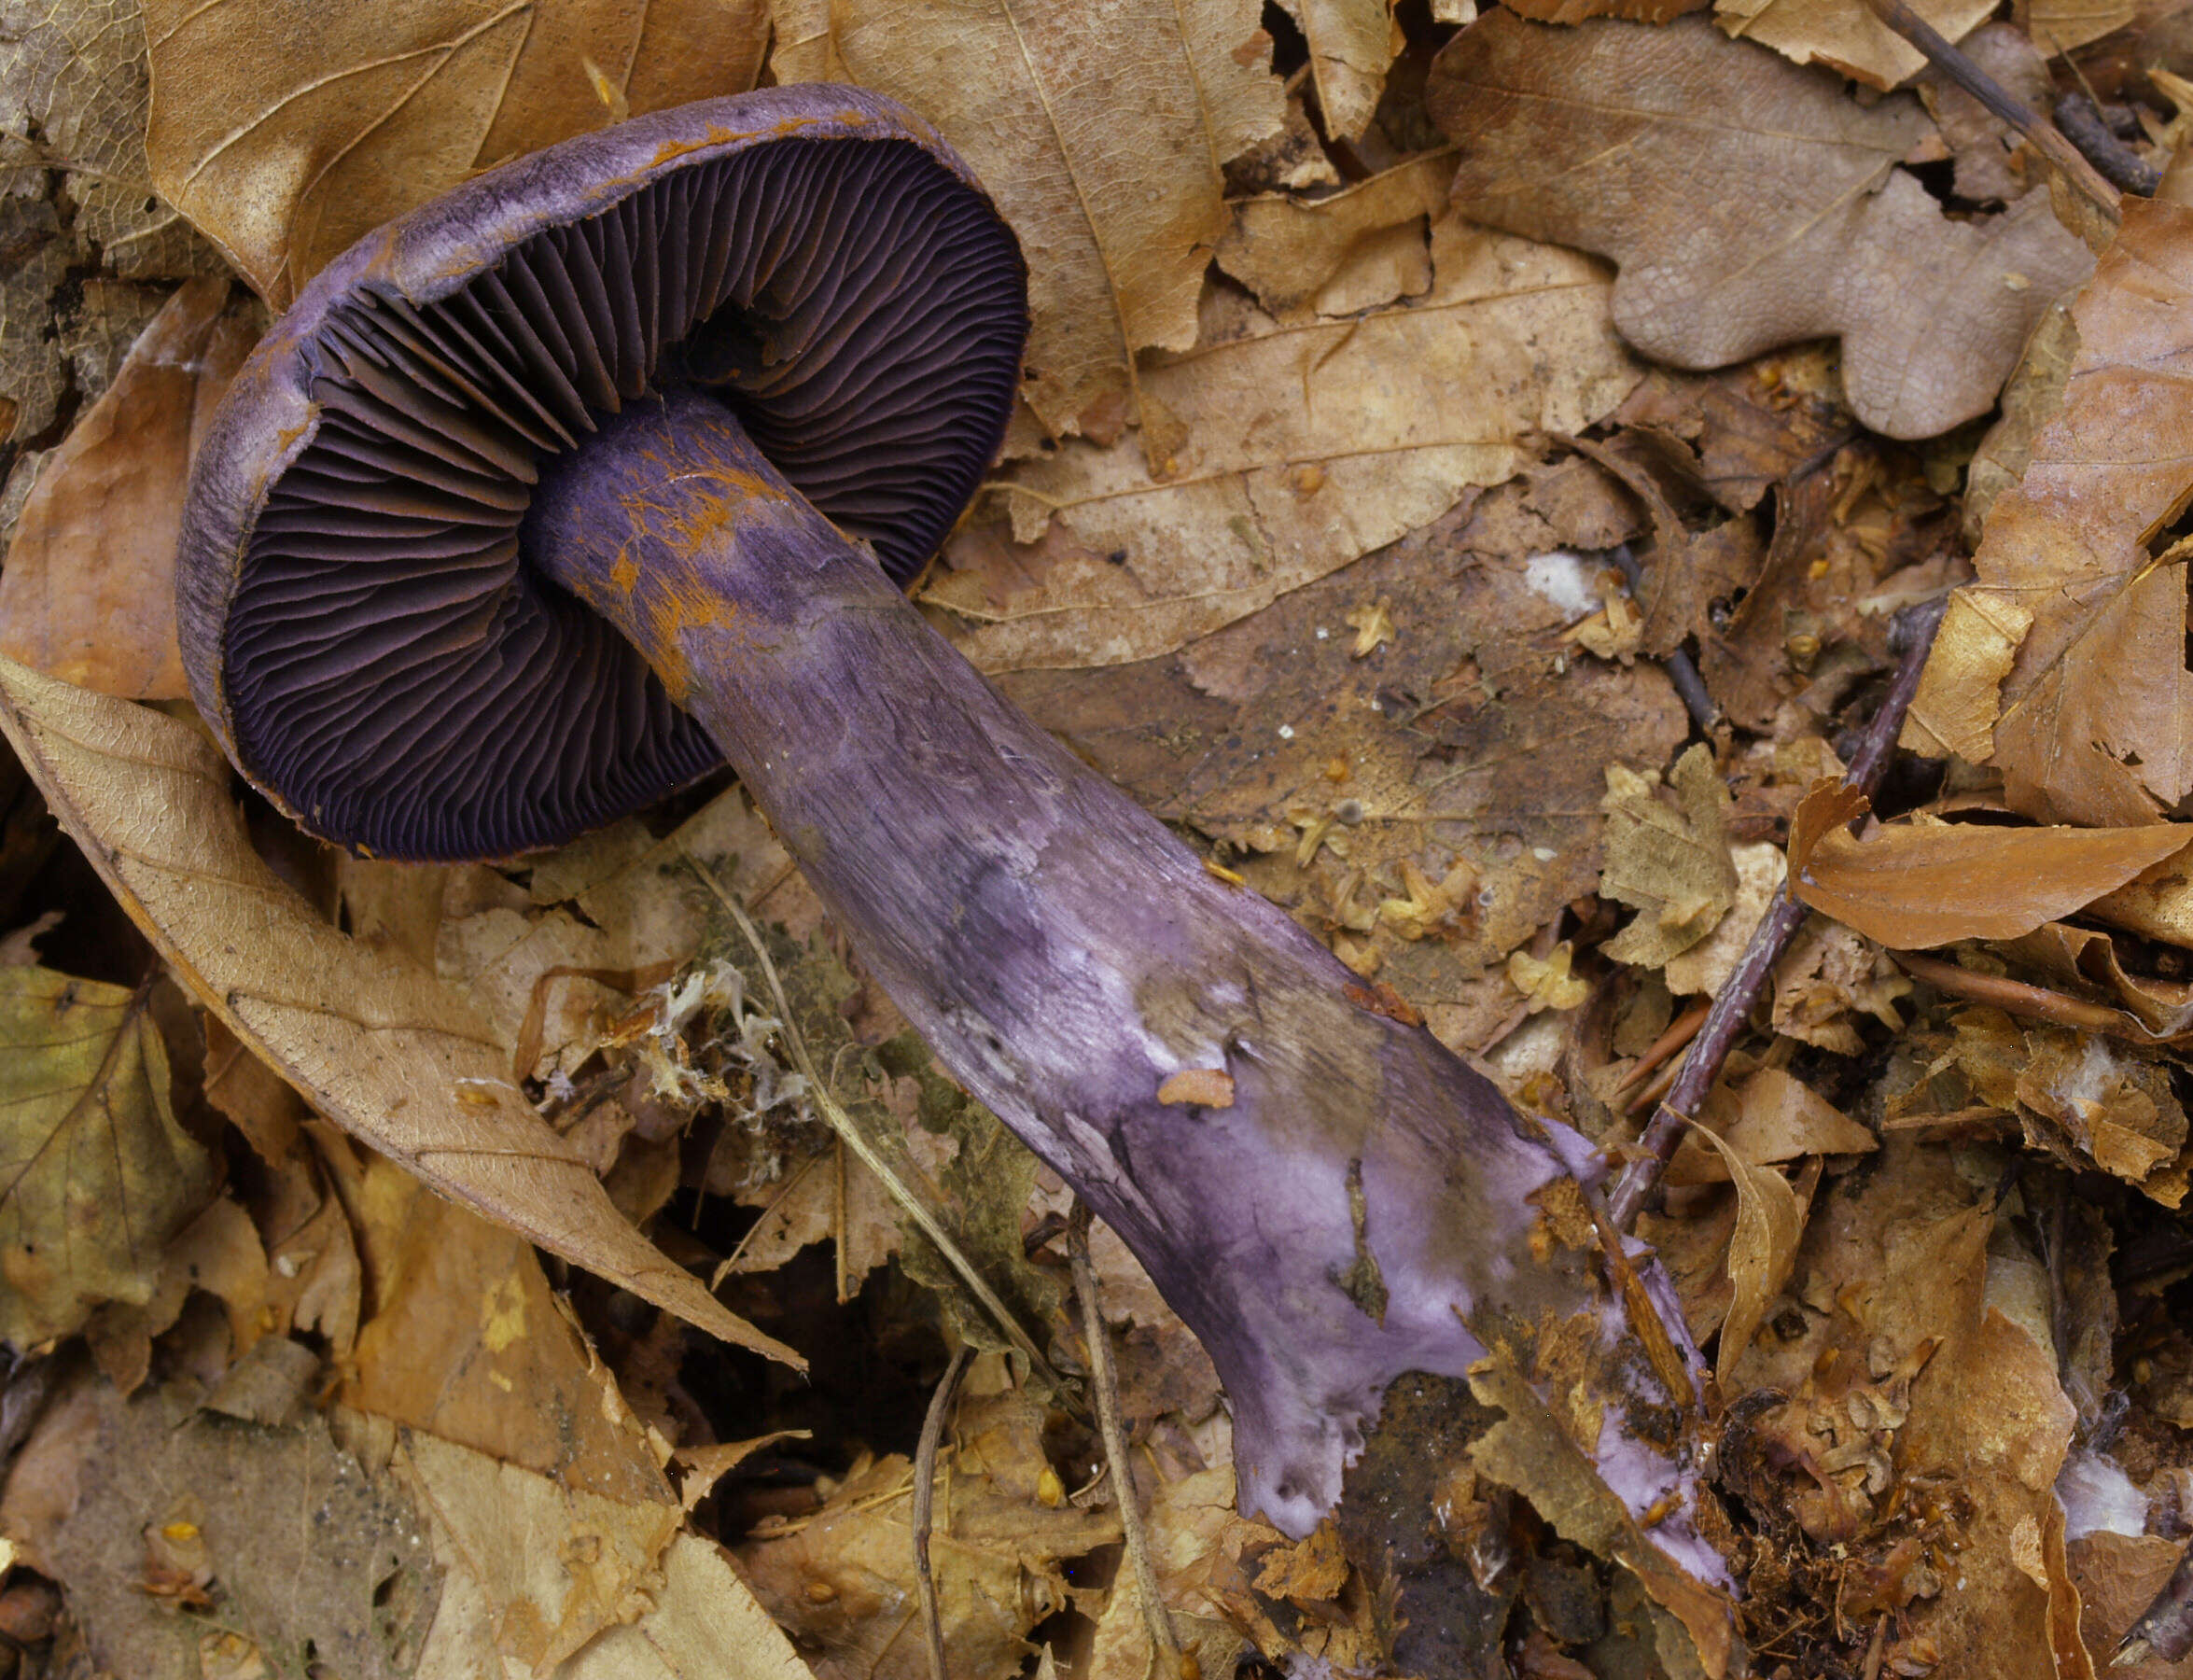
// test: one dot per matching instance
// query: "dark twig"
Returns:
(1105, 1380)
(2037, 131)
(1682, 671)
(1732, 1005)
(2164, 1632)
(2120, 164)
(925, 1498)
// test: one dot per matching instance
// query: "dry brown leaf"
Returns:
(1350, 42)
(563, 1583)
(1924, 882)
(2058, 25)
(88, 594)
(1770, 1220)
(1771, 1119)
(1291, 452)
(841, 1581)
(1671, 866)
(1100, 128)
(1636, 12)
(1749, 204)
(97, 1173)
(286, 129)
(1289, 250)
(2092, 721)
(375, 1043)
(1843, 36)
(1196, 1540)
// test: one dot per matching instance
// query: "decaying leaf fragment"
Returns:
(285, 129)
(1926, 882)
(1769, 1220)
(377, 1044)
(1293, 253)
(1100, 128)
(1672, 867)
(1843, 36)
(95, 1174)
(2075, 606)
(87, 593)
(1749, 204)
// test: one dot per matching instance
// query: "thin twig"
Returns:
(1680, 1032)
(2120, 164)
(918, 1209)
(1732, 1005)
(2036, 129)
(1105, 1380)
(925, 1498)
(1682, 671)
(2164, 1632)
(2014, 997)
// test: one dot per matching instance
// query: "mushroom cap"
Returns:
(357, 618)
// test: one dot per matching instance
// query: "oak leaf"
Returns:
(1926, 882)
(286, 129)
(1749, 203)
(375, 1043)
(2073, 610)
(1673, 866)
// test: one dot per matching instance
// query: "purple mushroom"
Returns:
(550, 495)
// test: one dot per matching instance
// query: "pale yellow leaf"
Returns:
(376, 1043)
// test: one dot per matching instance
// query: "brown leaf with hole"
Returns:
(88, 594)
(1769, 1220)
(98, 1175)
(1749, 204)
(2094, 720)
(286, 129)
(1100, 128)
(1924, 882)
(376, 1043)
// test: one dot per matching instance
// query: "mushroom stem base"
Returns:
(1326, 1195)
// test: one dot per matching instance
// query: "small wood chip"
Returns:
(1205, 1087)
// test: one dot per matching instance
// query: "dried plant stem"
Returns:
(1105, 1380)
(2036, 129)
(925, 1498)
(2080, 119)
(1732, 1005)
(1680, 1032)
(1682, 670)
(915, 1205)
(2014, 997)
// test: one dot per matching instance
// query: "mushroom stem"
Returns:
(1326, 1195)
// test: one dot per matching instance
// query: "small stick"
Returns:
(2038, 132)
(1725, 1021)
(2014, 997)
(2164, 1632)
(2120, 164)
(1680, 1032)
(925, 1498)
(1658, 1087)
(1682, 671)
(1105, 1380)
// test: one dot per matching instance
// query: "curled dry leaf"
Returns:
(1749, 204)
(1100, 128)
(88, 594)
(1289, 452)
(98, 1175)
(1843, 36)
(1351, 43)
(1769, 1220)
(2074, 614)
(375, 1043)
(1924, 882)
(285, 131)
